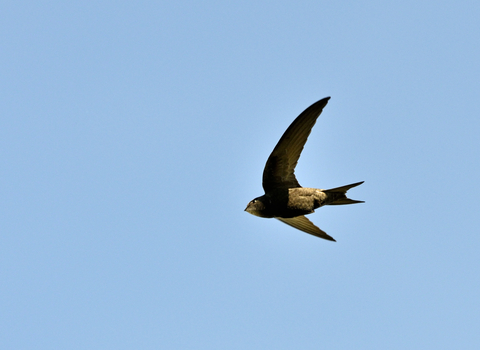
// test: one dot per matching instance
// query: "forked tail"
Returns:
(338, 195)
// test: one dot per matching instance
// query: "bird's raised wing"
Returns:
(305, 225)
(279, 170)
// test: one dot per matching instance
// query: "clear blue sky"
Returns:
(133, 134)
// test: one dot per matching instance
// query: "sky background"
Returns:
(133, 135)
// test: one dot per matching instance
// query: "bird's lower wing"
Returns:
(305, 225)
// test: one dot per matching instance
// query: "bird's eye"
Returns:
(254, 201)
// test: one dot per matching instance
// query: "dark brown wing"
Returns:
(305, 225)
(279, 170)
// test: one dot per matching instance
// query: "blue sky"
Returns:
(133, 134)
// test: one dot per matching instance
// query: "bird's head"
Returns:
(257, 207)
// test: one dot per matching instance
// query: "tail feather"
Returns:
(339, 197)
(345, 201)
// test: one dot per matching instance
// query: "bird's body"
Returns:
(291, 202)
(284, 198)
(288, 203)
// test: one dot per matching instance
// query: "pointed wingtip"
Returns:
(324, 100)
(328, 237)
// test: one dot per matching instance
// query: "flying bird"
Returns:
(284, 198)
